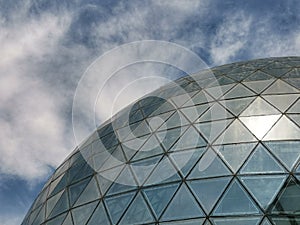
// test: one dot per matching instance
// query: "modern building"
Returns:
(220, 149)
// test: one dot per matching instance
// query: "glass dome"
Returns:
(220, 150)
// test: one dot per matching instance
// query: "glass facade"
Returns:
(201, 150)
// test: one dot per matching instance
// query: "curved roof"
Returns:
(217, 147)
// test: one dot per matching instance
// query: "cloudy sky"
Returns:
(46, 47)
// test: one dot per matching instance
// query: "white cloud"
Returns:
(231, 37)
(186, 7)
(31, 126)
(267, 43)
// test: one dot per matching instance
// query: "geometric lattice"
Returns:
(222, 149)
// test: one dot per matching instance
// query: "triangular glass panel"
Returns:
(150, 148)
(185, 160)
(57, 220)
(53, 185)
(261, 161)
(185, 222)
(294, 73)
(237, 221)
(68, 220)
(216, 112)
(136, 116)
(164, 172)
(200, 98)
(130, 151)
(104, 183)
(76, 189)
(276, 72)
(279, 64)
(123, 183)
(99, 216)
(293, 61)
(295, 118)
(281, 87)
(109, 140)
(281, 102)
(235, 133)
(210, 165)
(235, 201)
(143, 168)
(192, 113)
(141, 130)
(111, 174)
(159, 196)
(259, 125)
(182, 206)
(255, 64)
(241, 75)
(51, 202)
(115, 159)
(228, 68)
(100, 158)
(285, 220)
(208, 191)
(117, 205)
(165, 107)
(177, 119)
(264, 188)
(207, 222)
(211, 130)
(284, 129)
(204, 78)
(288, 200)
(41, 198)
(86, 151)
(235, 155)
(258, 86)
(124, 133)
(266, 222)
(63, 182)
(236, 106)
(169, 137)
(295, 108)
(259, 107)
(156, 122)
(258, 75)
(288, 152)
(83, 213)
(220, 70)
(97, 146)
(222, 80)
(293, 81)
(90, 193)
(149, 100)
(85, 171)
(219, 91)
(40, 218)
(298, 170)
(191, 87)
(61, 206)
(181, 99)
(137, 213)
(239, 91)
(190, 139)
(34, 214)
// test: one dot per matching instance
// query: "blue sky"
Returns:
(47, 45)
